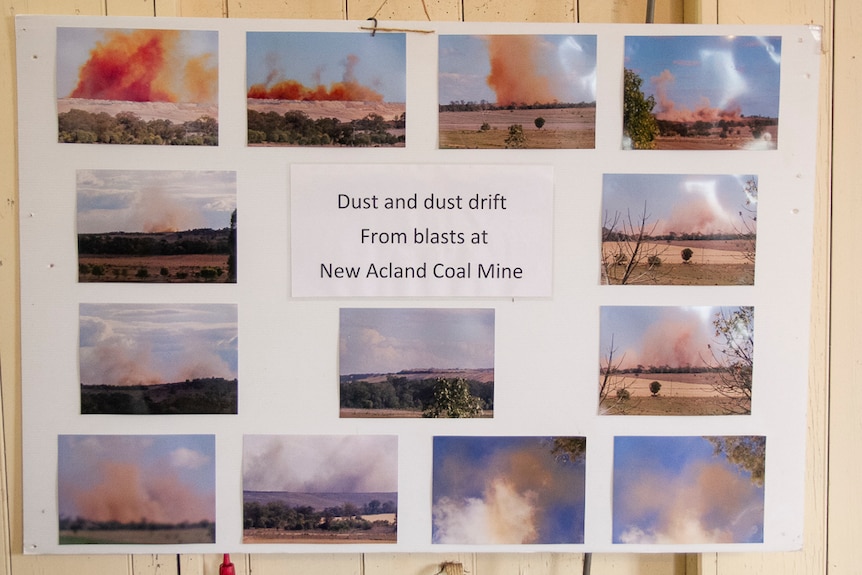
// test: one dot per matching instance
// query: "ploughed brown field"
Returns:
(125, 268)
(564, 128)
(714, 262)
(680, 394)
(342, 110)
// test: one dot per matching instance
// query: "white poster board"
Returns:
(277, 333)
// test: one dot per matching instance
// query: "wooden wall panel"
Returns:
(321, 9)
(844, 526)
(130, 7)
(196, 8)
(424, 10)
(520, 10)
(631, 11)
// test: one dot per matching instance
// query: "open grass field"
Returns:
(564, 128)
(680, 394)
(377, 534)
(742, 141)
(137, 536)
(714, 262)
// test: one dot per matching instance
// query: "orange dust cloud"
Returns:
(126, 494)
(678, 342)
(146, 66)
(667, 108)
(348, 89)
(155, 211)
(696, 215)
(513, 74)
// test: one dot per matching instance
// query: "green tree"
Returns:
(732, 356)
(539, 122)
(639, 124)
(686, 254)
(451, 398)
(654, 388)
(747, 452)
(516, 137)
(571, 449)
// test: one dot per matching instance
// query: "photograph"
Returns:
(324, 489)
(148, 359)
(136, 489)
(701, 92)
(517, 91)
(156, 226)
(676, 360)
(336, 89)
(662, 229)
(416, 362)
(688, 490)
(155, 87)
(508, 490)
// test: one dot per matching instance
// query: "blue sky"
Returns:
(658, 335)
(718, 71)
(163, 478)
(681, 203)
(567, 63)
(320, 463)
(505, 490)
(674, 490)
(387, 340)
(129, 344)
(313, 58)
(152, 200)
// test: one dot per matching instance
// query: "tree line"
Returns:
(402, 393)
(200, 242)
(279, 515)
(79, 126)
(485, 106)
(83, 524)
(296, 128)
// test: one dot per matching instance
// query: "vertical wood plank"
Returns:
(700, 11)
(437, 10)
(155, 565)
(72, 7)
(130, 7)
(311, 9)
(516, 564)
(845, 501)
(192, 8)
(414, 563)
(331, 564)
(631, 11)
(520, 11)
(10, 370)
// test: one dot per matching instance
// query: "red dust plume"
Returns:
(667, 109)
(146, 66)
(348, 89)
(513, 74)
(126, 493)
